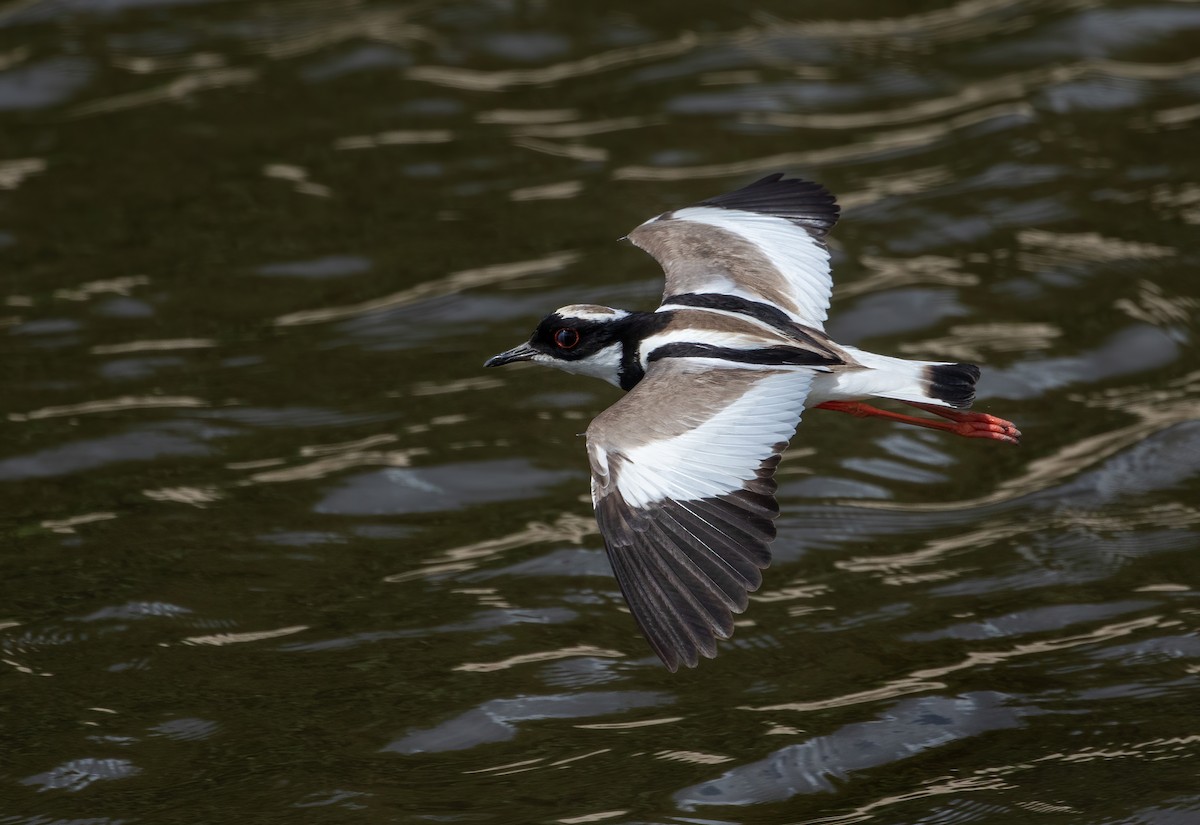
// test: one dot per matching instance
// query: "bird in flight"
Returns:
(717, 378)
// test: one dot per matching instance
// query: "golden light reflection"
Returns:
(195, 496)
(222, 639)
(890, 273)
(67, 525)
(452, 283)
(693, 757)
(563, 762)
(514, 117)
(507, 766)
(336, 463)
(402, 137)
(910, 182)
(550, 191)
(920, 137)
(152, 346)
(559, 131)
(484, 81)
(955, 22)
(596, 817)
(113, 286)
(971, 342)
(930, 678)
(643, 723)
(573, 151)
(1156, 409)
(1152, 305)
(121, 404)
(178, 89)
(568, 528)
(540, 656)
(16, 170)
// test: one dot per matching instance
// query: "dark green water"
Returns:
(276, 549)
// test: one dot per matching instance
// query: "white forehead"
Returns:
(590, 312)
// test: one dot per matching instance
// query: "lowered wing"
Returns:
(764, 242)
(682, 483)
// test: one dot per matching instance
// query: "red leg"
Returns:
(968, 425)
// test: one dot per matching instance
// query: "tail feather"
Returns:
(952, 383)
(922, 382)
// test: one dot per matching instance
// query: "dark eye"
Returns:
(566, 338)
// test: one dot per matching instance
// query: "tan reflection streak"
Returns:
(799, 591)
(195, 496)
(935, 550)
(337, 463)
(587, 154)
(221, 639)
(957, 20)
(551, 191)
(352, 21)
(152, 346)
(117, 286)
(901, 183)
(578, 130)
(125, 402)
(541, 656)
(68, 525)
(177, 89)
(254, 465)
(13, 172)
(1014, 88)
(1057, 248)
(917, 137)
(921, 680)
(507, 766)
(1153, 306)
(596, 817)
(694, 757)
(889, 273)
(348, 446)
(945, 785)
(567, 528)
(1141, 750)
(570, 759)
(514, 117)
(644, 723)
(455, 282)
(970, 342)
(140, 64)
(1147, 71)
(1070, 460)
(397, 138)
(441, 388)
(482, 81)
(1177, 116)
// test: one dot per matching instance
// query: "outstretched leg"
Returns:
(966, 424)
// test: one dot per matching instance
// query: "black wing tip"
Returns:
(953, 383)
(804, 202)
(685, 570)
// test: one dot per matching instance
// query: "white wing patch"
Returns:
(720, 454)
(799, 257)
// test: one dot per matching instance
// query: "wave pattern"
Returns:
(273, 541)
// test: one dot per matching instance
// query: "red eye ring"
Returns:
(566, 338)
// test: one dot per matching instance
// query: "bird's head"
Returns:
(581, 338)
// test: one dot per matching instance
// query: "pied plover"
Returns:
(718, 377)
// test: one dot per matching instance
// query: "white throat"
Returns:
(604, 364)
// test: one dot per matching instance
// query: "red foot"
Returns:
(966, 424)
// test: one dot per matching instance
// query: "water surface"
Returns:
(277, 549)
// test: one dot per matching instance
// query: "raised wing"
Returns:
(682, 482)
(764, 242)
